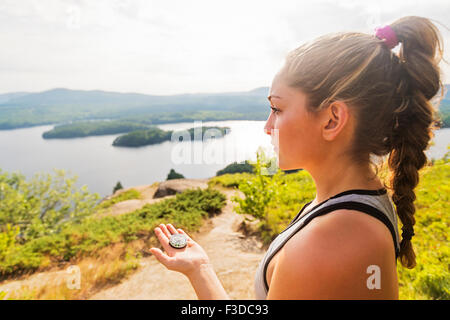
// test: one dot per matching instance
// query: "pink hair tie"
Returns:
(388, 35)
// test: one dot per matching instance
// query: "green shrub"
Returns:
(42, 205)
(86, 237)
(126, 195)
(8, 241)
(230, 180)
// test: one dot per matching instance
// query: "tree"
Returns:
(42, 205)
(174, 175)
(117, 187)
(235, 167)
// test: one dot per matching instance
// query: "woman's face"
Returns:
(295, 132)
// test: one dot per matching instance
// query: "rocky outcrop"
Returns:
(151, 194)
(174, 186)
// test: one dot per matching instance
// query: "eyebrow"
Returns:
(270, 98)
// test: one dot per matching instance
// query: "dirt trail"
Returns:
(234, 256)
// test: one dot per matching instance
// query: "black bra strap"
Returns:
(377, 192)
(298, 214)
(353, 205)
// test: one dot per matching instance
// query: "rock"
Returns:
(171, 187)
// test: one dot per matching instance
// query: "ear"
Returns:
(336, 116)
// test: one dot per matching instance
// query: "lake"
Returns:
(100, 166)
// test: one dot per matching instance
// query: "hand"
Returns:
(186, 260)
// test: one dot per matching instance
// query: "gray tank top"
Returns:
(376, 203)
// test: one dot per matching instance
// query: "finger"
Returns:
(162, 238)
(164, 229)
(171, 228)
(187, 236)
(160, 256)
(181, 231)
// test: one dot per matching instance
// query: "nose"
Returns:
(268, 126)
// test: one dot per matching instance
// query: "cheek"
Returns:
(298, 140)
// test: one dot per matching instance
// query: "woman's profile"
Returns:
(339, 100)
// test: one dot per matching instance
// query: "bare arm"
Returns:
(192, 261)
(206, 284)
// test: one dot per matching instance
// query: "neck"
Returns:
(334, 177)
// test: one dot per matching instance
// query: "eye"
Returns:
(274, 110)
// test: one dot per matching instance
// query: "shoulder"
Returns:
(330, 256)
(351, 231)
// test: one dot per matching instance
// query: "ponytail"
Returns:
(413, 119)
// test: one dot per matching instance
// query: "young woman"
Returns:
(336, 102)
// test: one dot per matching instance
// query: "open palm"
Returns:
(185, 260)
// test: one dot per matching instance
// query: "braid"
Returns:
(414, 118)
(405, 160)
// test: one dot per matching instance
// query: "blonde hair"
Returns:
(389, 93)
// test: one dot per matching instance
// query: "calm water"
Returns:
(99, 165)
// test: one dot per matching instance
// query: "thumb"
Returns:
(160, 256)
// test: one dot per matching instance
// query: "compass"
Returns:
(178, 241)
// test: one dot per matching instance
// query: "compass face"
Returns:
(178, 241)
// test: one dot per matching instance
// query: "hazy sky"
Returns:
(169, 47)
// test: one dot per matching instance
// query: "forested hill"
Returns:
(64, 105)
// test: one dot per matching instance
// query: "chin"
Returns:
(287, 166)
(282, 165)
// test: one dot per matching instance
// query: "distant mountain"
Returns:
(96, 98)
(5, 97)
(259, 91)
(63, 105)
(63, 96)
